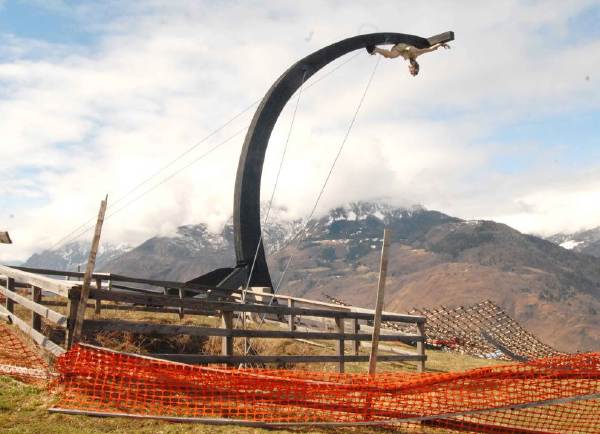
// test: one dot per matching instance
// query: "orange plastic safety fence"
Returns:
(20, 360)
(559, 394)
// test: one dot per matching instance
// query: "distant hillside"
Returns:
(435, 259)
(582, 241)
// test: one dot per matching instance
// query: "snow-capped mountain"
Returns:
(587, 241)
(194, 250)
(75, 254)
(360, 226)
(190, 242)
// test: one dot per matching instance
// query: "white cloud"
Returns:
(81, 122)
(558, 204)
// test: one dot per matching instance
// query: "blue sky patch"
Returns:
(52, 22)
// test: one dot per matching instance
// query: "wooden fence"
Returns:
(10, 281)
(296, 317)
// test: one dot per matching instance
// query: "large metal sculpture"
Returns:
(246, 205)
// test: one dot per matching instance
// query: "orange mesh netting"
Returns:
(19, 360)
(559, 394)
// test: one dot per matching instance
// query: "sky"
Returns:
(123, 98)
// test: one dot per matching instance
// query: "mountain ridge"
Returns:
(75, 254)
(434, 259)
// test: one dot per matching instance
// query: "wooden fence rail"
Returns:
(38, 311)
(173, 330)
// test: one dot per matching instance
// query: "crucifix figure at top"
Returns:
(408, 52)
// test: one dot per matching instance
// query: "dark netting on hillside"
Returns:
(547, 395)
(483, 330)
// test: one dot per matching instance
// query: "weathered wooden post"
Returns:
(87, 277)
(36, 319)
(181, 293)
(72, 307)
(356, 330)
(339, 326)
(10, 285)
(227, 341)
(379, 304)
(421, 347)
(291, 317)
(98, 304)
(5, 239)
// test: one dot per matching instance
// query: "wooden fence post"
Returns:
(227, 341)
(72, 308)
(181, 292)
(379, 304)
(10, 285)
(339, 326)
(98, 304)
(36, 319)
(356, 330)
(89, 270)
(421, 347)
(291, 317)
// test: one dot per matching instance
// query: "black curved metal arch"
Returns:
(246, 205)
